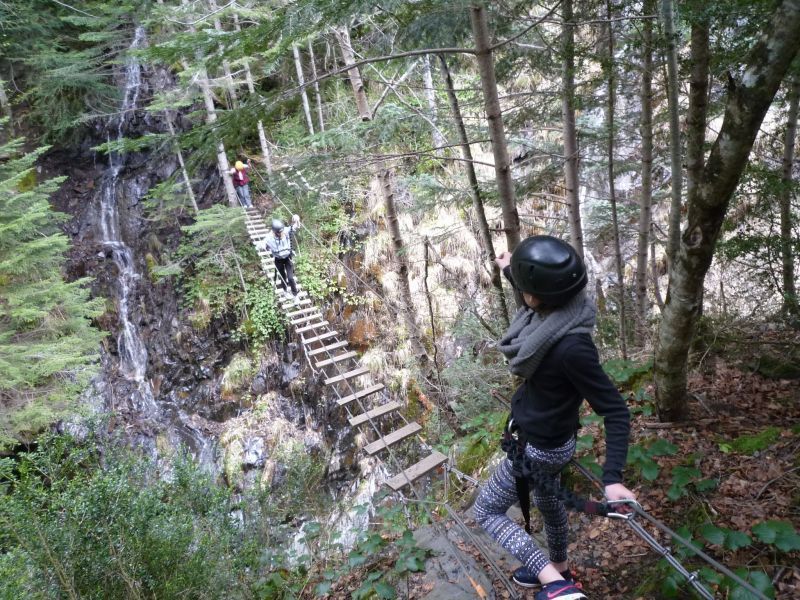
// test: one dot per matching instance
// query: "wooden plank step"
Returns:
(326, 348)
(348, 375)
(302, 311)
(360, 394)
(417, 470)
(305, 319)
(300, 296)
(374, 413)
(313, 326)
(322, 336)
(335, 359)
(301, 302)
(396, 436)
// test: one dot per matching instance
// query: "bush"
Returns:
(78, 523)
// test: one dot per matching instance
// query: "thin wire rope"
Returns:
(688, 545)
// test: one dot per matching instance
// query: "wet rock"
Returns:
(254, 452)
(259, 385)
(279, 475)
(445, 577)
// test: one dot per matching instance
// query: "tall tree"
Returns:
(384, 181)
(494, 116)
(475, 190)
(48, 347)
(674, 232)
(312, 61)
(211, 118)
(251, 88)
(748, 101)
(612, 197)
(301, 81)
(571, 155)
(790, 303)
(230, 84)
(646, 196)
(430, 97)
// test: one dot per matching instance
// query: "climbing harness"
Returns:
(691, 576)
(527, 471)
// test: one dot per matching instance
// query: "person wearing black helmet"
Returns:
(549, 346)
(279, 243)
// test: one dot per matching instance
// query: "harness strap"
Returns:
(527, 472)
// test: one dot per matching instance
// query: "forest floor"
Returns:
(743, 439)
(744, 434)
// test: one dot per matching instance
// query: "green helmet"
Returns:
(548, 268)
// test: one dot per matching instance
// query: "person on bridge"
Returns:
(549, 345)
(241, 182)
(279, 243)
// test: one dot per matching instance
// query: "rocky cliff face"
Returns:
(165, 384)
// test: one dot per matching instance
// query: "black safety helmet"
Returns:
(548, 268)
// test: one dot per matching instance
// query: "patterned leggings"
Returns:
(499, 494)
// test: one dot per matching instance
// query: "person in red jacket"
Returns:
(241, 182)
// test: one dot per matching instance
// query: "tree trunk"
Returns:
(623, 334)
(430, 96)
(646, 197)
(477, 200)
(317, 94)
(502, 164)
(262, 137)
(179, 154)
(211, 117)
(571, 178)
(301, 80)
(748, 102)
(698, 101)
(654, 271)
(790, 303)
(383, 177)
(343, 35)
(674, 231)
(230, 87)
(5, 106)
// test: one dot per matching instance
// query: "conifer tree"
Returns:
(48, 346)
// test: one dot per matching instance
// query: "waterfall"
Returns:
(131, 348)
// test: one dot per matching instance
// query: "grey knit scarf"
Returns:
(531, 335)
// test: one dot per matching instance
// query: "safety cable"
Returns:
(665, 552)
(437, 526)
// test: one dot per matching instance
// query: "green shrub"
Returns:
(84, 523)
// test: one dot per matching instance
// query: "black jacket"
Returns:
(546, 405)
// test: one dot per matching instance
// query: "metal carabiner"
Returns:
(627, 502)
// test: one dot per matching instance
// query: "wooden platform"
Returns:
(316, 351)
